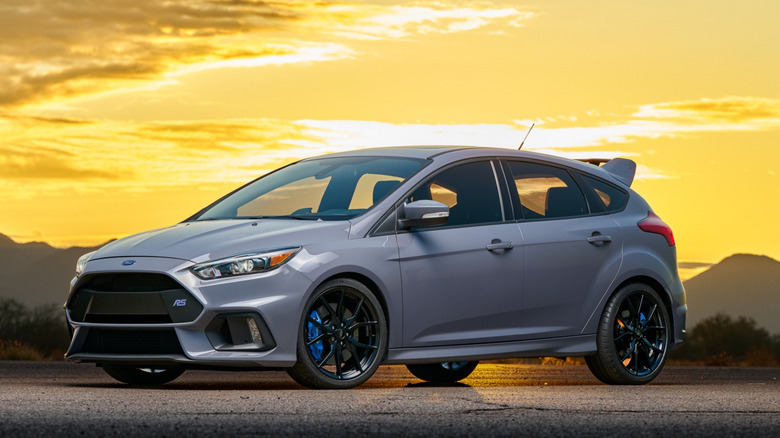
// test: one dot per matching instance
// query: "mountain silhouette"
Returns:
(37, 273)
(739, 285)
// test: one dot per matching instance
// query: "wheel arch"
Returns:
(366, 281)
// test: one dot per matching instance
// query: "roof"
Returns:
(621, 173)
(401, 151)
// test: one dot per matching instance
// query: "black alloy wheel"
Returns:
(342, 336)
(632, 338)
(135, 376)
(442, 372)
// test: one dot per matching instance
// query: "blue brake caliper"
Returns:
(642, 319)
(312, 331)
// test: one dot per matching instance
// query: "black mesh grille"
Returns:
(126, 282)
(132, 342)
(132, 298)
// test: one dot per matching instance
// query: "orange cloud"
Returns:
(140, 156)
(51, 50)
(46, 165)
(724, 110)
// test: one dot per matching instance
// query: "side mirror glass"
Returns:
(423, 213)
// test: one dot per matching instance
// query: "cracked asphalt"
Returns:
(56, 399)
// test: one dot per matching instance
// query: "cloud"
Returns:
(176, 153)
(142, 156)
(46, 164)
(739, 110)
(694, 265)
(52, 49)
(382, 22)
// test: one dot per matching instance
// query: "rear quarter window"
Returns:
(611, 197)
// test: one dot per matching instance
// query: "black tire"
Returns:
(342, 336)
(442, 372)
(633, 337)
(142, 376)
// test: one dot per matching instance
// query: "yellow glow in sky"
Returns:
(125, 115)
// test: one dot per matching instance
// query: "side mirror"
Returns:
(423, 213)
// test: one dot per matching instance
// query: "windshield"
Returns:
(327, 188)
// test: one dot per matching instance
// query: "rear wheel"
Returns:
(342, 336)
(142, 376)
(633, 337)
(442, 372)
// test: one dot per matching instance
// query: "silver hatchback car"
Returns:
(432, 257)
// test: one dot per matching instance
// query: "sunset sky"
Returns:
(118, 116)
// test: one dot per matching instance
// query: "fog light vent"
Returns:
(244, 331)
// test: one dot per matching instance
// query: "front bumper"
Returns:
(156, 311)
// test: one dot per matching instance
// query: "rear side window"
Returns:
(546, 192)
(612, 198)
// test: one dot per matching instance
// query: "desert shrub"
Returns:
(15, 350)
(761, 357)
(722, 340)
(42, 328)
(563, 361)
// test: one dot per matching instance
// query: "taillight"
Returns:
(653, 224)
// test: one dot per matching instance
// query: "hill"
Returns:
(37, 273)
(739, 285)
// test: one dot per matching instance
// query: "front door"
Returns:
(462, 281)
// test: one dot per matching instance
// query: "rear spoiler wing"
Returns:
(621, 168)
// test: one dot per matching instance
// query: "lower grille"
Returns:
(150, 342)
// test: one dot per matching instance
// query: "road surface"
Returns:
(65, 399)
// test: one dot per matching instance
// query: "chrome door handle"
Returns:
(499, 246)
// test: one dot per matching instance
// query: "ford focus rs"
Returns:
(432, 257)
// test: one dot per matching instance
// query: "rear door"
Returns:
(572, 249)
(463, 281)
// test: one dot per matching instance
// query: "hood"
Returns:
(200, 241)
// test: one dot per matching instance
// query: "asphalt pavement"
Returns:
(65, 399)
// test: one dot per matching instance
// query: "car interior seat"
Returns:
(564, 201)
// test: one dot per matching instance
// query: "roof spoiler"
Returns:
(621, 168)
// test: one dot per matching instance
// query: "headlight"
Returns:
(243, 264)
(82, 262)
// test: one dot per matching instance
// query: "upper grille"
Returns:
(132, 298)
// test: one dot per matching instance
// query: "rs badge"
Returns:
(180, 303)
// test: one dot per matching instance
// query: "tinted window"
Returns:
(546, 191)
(326, 188)
(468, 189)
(611, 197)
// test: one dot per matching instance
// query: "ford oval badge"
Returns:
(128, 262)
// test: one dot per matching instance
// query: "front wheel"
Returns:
(442, 372)
(342, 336)
(142, 376)
(633, 337)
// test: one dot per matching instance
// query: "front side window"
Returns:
(468, 189)
(327, 188)
(546, 192)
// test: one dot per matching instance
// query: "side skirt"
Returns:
(569, 346)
